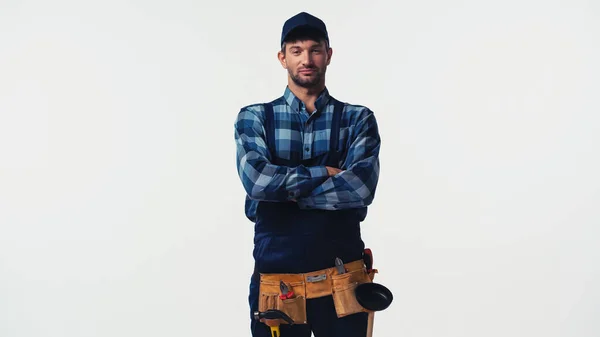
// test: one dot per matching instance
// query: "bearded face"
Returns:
(306, 62)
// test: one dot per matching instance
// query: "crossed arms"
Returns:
(318, 187)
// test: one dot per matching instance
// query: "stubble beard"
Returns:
(307, 82)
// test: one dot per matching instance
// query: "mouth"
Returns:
(306, 71)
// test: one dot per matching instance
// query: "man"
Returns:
(309, 164)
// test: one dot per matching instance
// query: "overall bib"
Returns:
(293, 240)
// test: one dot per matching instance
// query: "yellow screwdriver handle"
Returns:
(275, 331)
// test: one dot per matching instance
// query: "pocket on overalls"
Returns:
(344, 297)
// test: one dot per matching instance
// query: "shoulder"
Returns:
(355, 114)
(254, 111)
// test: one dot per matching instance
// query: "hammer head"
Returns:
(273, 314)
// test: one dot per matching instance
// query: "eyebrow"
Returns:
(316, 45)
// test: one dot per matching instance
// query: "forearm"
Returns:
(352, 188)
(355, 186)
(265, 181)
(261, 179)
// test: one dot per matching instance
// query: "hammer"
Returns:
(273, 314)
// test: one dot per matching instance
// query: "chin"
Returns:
(308, 85)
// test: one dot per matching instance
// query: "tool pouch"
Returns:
(343, 286)
(294, 307)
(314, 285)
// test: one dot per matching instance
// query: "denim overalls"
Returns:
(293, 240)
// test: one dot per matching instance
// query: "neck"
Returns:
(308, 96)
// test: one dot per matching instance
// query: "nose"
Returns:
(307, 58)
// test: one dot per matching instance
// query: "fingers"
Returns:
(332, 170)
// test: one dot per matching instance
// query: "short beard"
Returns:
(307, 83)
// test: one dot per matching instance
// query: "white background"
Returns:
(121, 213)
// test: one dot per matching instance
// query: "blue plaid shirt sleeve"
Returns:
(261, 179)
(355, 186)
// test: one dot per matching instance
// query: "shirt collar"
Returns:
(296, 104)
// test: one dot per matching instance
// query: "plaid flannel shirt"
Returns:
(305, 135)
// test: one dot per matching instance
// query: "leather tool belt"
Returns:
(325, 282)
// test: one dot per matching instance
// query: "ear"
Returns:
(281, 58)
(329, 54)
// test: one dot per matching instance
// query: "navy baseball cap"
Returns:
(304, 20)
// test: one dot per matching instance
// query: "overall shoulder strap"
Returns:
(336, 119)
(269, 125)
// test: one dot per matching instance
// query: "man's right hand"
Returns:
(332, 170)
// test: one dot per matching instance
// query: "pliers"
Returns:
(286, 293)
